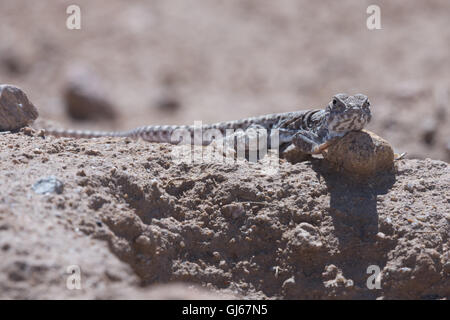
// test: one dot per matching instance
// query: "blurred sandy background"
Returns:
(222, 60)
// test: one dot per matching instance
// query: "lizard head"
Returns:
(347, 113)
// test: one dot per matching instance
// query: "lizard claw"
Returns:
(321, 147)
(399, 156)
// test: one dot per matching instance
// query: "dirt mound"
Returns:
(129, 217)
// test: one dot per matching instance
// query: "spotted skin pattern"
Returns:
(311, 131)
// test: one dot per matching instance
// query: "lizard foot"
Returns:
(308, 143)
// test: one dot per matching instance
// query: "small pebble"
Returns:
(48, 185)
(409, 187)
(233, 210)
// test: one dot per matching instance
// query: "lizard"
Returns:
(310, 131)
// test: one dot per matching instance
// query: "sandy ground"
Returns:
(127, 217)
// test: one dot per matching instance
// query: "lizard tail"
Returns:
(87, 134)
(148, 133)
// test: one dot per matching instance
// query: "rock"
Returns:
(168, 103)
(429, 130)
(233, 211)
(16, 111)
(304, 239)
(85, 98)
(13, 63)
(28, 131)
(48, 185)
(361, 154)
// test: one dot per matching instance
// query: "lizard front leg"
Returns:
(310, 143)
(251, 143)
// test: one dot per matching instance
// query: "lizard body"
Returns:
(312, 131)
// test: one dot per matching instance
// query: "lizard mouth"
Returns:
(352, 120)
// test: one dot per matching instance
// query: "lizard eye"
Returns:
(334, 102)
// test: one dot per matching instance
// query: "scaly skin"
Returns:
(312, 131)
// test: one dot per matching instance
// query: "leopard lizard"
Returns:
(310, 131)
